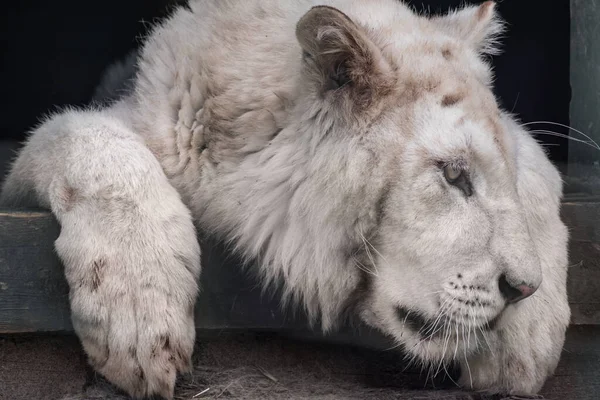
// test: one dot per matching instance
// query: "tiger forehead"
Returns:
(413, 89)
(447, 90)
(432, 65)
(474, 102)
(432, 76)
(440, 73)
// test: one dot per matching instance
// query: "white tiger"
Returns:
(353, 147)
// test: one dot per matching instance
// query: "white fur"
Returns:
(338, 203)
(127, 242)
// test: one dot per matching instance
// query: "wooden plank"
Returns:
(34, 294)
(583, 220)
(577, 376)
(33, 290)
(585, 79)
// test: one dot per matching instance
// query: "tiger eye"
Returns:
(452, 173)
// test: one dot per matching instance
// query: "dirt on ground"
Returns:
(230, 366)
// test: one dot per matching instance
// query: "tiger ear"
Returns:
(478, 26)
(338, 54)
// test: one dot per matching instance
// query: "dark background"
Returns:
(54, 52)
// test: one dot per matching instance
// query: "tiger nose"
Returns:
(514, 293)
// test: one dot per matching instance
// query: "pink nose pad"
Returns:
(526, 291)
(516, 293)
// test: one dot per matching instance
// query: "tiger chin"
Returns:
(354, 148)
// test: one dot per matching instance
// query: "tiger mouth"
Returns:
(429, 328)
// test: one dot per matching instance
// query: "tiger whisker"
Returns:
(563, 126)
